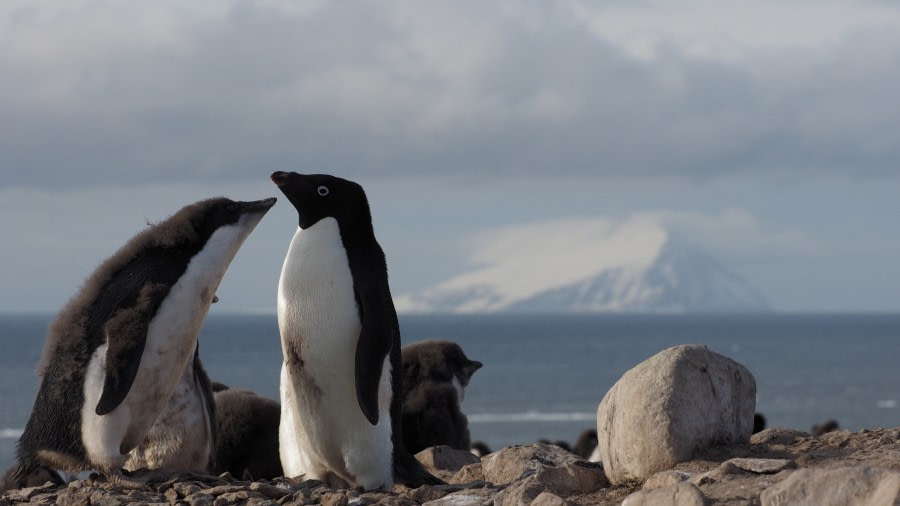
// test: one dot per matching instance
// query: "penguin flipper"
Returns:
(204, 386)
(375, 341)
(126, 334)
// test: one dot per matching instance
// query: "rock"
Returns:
(839, 486)
(665, 479)
(390, 501)
(680, 494)
(763, 466)
(445, 458)
(776, 436)
(171, 495)
(43, 500)
(521, 492)
(256, 501)
(334, 499)
(426, 493)
(548, 499)
(469, 498)
(718, 474)
(270, 491)
(100, 498)
(24, 494)
(576, 478)
(186, 488)
(677, 402)
(524, 491)
(231, 498)
(548, 476)
(534, 469)
(298, 497)
(143, 496)
(75, 495)
(200, 499)
(469, 473)
(223, 489)
(509, 464)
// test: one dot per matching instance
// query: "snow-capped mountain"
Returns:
(681, 280)
(590, 266)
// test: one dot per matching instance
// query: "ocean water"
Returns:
(544, 376)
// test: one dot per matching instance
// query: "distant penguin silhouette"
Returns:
(480, 449)
(435, 375)
(559, 443)
(247, 429)
(122, 385)
(759, 423)
(824, 427)
(585, 444)
(341, 391)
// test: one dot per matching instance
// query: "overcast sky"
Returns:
(766, 132)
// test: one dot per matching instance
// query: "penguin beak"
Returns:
(259, 206)
(293, 185)
(470, 368)
(279, 178)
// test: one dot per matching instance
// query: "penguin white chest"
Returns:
(170, 343)
(316, 302)
(323, 431)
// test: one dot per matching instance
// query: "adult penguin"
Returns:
(341, 380)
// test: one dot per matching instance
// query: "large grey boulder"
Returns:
(679, 401)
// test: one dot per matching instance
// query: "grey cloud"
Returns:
(163, 93)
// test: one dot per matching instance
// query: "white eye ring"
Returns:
(322, 191)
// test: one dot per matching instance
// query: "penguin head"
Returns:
(191, 228)
(437, 361)
(317, 196)
(208, 216)
(213, 229)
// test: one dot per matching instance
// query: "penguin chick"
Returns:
(247, 430)
(435, 375)
(120, 374)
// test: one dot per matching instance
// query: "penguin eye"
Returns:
(322, 191)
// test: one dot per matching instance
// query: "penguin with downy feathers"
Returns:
(121, 381)
(341, 383)
(247, 430)
(435, 375)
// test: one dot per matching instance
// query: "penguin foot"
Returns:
(332, 480)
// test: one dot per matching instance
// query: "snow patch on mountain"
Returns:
(588, 265)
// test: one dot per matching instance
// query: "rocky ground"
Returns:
(779, 466)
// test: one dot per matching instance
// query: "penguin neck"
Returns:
(358, 235)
